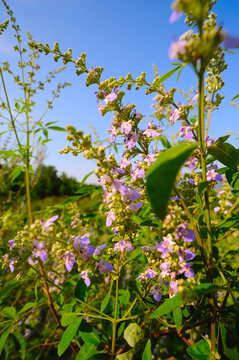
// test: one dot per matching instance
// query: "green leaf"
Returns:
(4, 337)
(68, 335)
(168, 306)
(22, 343)
(17, 106)
(200, 351)
(86, 352)
(56, 128)
(9, 312)
(149, 223)
(133, 334)
(81, 290)
(178, 317)
(162, 175)
(16, 172)
(221, 139)
(164, 77)
(11, 285)
(147, 354)
(129, 355)
(67, 318)
(165, 142)
(90, 337)
(229, 346)
(235, 97)
(202, 187)
(233, 178)
(45, 132)
(105, 301)
(226, 154)
(27, 306)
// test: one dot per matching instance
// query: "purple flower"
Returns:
(137, 174)
(165, 246)
(186, 132)
(177, 48)
(183, 232)
(151, 273)
(99, 248)
(69, 258)
(126, 127)
(175, 115)
(216, 209)
(131, 139)
(104, 267)
(134, 206)
(213, 175)
(189, 254)
(192, 163)
(156, 292)
(134, 195)
(110, 98)
(174, 287)
(45, 225)
(165, 269)
(38, 250)
(124, 163)
(175, 16)
(84, 275)
(11, 244)
(122, 246)
(231, 41)
(194, 99)
(110, 218)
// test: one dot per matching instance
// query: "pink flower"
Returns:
(69, 258)
(175, 115)
(122, 246)
(45, 225)
(177, 48)
(175, 16)
(84, 275)
(110, 98)
(126, 127)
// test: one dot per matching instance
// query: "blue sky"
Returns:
(121, 36)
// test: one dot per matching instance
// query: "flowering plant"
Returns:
(150, 265)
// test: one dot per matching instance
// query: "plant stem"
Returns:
(115, 319)
(9, 110)
(207, 204)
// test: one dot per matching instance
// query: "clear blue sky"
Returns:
(122, 36)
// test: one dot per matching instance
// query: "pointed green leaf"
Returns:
(200, 351)
(9, 312)
(147, 354)
(16, 172)
(229, 344)
(86, 352)
(27, 306)
(4, 337)
(105, 301)
(168, 306)
(68, 335)
(178, 317)
(164, 77)
(81, 290)
(162, 175)
(129, 355)
(235, 97)
(56, 128)
(226, 154)
(133, 334)
(90, 337)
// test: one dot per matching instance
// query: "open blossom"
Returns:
(110, 98)
(10, 262)
(183, 232)
(186, 132)
(165, 269)
(137, 174)
(175, 16)
(173, 287)
(104, 267)
(175, 115)
(186, 268)
(122, 246)
(38, 250)
(45, 225)
(150, 159)
(126, 127)
(11, 244)
(165, 246)
(212, 173)
(130, 140)
(85, 275)
(69, 259)
(156, 292)
(177, 48)
(151, 273)
(192, 162)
